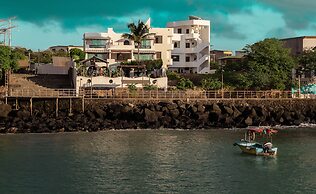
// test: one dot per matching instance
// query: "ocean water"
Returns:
(151, 161)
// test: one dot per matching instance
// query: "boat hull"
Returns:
(254, 148)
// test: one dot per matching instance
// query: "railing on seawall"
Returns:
(157, 94)
(44, 93)
(153, 94)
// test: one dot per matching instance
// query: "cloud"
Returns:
(74, 14)
(298, 14)
(240, 21)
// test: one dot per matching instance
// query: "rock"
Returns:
(200, 108)
(193, 109)
(174, 113)
(236, 113)
(203, 117)
(253, 113)
(248, 121)
(23, 114)
(172, 106)
(90, 114)
(216, 108)
(100, 113)
(12, 130)
(150, 116)
(5, 109)
(229, 110)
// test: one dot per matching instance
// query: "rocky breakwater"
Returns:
(105, 115)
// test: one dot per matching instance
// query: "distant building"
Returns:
(217, 54)
(64, 48)
(298, 45)
(240, 53)
(230, 60)
(191, 46)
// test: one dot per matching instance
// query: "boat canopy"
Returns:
(263, 130)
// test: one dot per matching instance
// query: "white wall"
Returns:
(161, 82)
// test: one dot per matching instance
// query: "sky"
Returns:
(234, 23)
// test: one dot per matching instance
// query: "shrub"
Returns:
(185, 84)
(173, 75)
(132, 87)
(211, 84)
(150, 87)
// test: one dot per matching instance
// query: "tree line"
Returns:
(267, 65)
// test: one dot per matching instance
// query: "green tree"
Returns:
(60, 53)
(308, 60)
(77, 54)
(42, 57)
(138, 33)
(9, 59)
(269, 65)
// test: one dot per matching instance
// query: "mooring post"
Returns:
(57, 107)
(16, 103)
(70, 106)
(31, 106)
(82, 103)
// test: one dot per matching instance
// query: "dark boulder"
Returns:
(5, 109)
(150, 116)
(174, 113)
(172, 106)
(216, 108)
(248, 121)
(228, 110)
(100, 113)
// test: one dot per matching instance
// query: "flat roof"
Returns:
(231, 57)
(299, 37)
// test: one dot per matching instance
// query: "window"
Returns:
(179, 31)
(187, 59)
(96, 43)
(126, 42)
(175, 58)
(187, 31)
(176, 45)
(144, 57)
(158, 39)
(145, 44)
(158, 55)
(99, 55)
(187, 45)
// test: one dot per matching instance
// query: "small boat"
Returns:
(250, 146)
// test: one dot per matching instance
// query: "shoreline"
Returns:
(149, 115)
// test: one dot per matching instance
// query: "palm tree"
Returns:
(138, 33)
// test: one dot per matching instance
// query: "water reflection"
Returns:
(155, 161)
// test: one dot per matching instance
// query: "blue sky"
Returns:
(235, 23)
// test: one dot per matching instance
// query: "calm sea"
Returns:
(155, 162)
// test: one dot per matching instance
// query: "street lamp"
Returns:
(222, 71)
(300, 72)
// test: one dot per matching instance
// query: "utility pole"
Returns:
(7, 31)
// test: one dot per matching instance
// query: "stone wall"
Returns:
(113, 114)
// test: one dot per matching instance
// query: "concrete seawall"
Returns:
(98, 114)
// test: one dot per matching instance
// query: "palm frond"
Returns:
(128, 36)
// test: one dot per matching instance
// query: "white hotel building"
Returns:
(115, 49)
(183, 46)
(191, 39)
